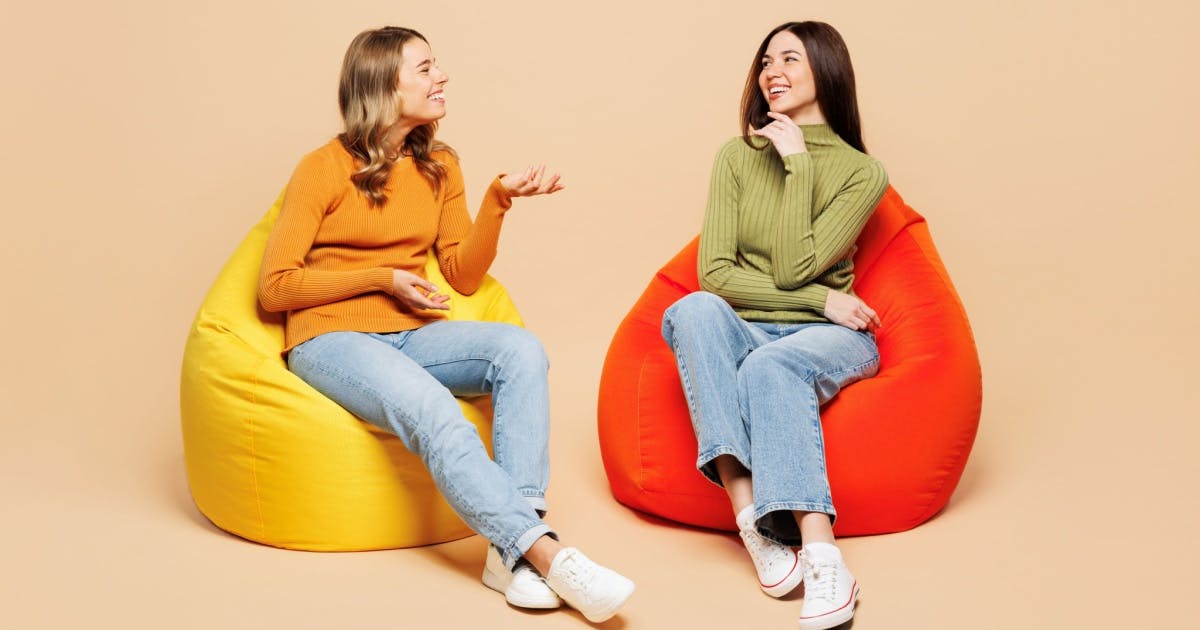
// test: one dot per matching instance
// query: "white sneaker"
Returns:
(830, 591)
(593, 590)
(779, 567)
(522, 586)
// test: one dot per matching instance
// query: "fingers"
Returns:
(769, 130)
(780, 122)
(861, 317)
(851, 322)
(534, 182)
(428, 286)
(419, 293)
(551, 185)
(872, 316)
(514, 183)
(781, 132)
(436, 302)
(780, 118)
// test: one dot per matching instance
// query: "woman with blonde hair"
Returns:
(777, 330)
(365, 328)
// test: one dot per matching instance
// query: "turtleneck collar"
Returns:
(821, 135)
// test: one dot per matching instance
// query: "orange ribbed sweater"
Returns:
(330, 256)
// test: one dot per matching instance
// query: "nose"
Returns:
(441, 78)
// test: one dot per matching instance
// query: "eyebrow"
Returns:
(425, 62)
(797, 52)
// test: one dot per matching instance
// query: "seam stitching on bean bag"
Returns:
(641, 480)
(253, 395)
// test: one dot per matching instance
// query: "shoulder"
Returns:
(330, 159)
(448, 159)
(738, 155)
(858, 160)
(446, 155)
(854, 166)
(735, 148)
(323, 175)
(870, 170)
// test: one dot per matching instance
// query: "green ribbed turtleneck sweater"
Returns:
(779, 234)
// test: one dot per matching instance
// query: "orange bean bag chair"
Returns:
(896, 444)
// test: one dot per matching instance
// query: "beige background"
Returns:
(1052, 146)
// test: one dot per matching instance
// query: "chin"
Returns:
(432, 118)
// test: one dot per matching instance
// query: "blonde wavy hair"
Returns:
(370, 103)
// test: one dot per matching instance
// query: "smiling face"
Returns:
(786, 80)
(420, 88)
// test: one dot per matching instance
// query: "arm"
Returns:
(465, 250)
(717, 262)
(284, 282)
(804, 248)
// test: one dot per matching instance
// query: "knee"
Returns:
(769, 362)
(522, 349)
(447, 437)
(691, 313)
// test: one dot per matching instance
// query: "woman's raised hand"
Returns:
(417, 292)
(530, 182)
(849, 311)
(787, 137)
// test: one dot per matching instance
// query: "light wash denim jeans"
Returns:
(405, 383)
(754, 390)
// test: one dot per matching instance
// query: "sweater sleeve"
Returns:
(284, 282)
(465, 250)
(805, 248)
(718, 267)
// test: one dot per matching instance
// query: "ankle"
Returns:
(818, 550)
(745, 517)
(541, 554)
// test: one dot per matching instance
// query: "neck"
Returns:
(397, 134)
(809, 116)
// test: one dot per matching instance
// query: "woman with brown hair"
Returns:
(365, 328)
(777, 330)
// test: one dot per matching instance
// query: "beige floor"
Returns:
(1053, 149)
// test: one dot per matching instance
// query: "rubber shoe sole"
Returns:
(834, 617)
(500, 584)
(788, 583)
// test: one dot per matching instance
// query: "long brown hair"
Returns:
(370, 103)
(833, 76)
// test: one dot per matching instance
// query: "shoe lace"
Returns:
(578, 574)
(820, 579)
(764, 552)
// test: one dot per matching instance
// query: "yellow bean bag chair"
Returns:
(272, 460)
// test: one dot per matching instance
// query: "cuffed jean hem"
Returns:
(536, 500)
(704, 463)
(512, 552)
(775, 520)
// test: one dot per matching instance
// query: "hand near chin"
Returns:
(532, 181)
(787, 137)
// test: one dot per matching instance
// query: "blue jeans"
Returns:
(754, 390)
(405, 383)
